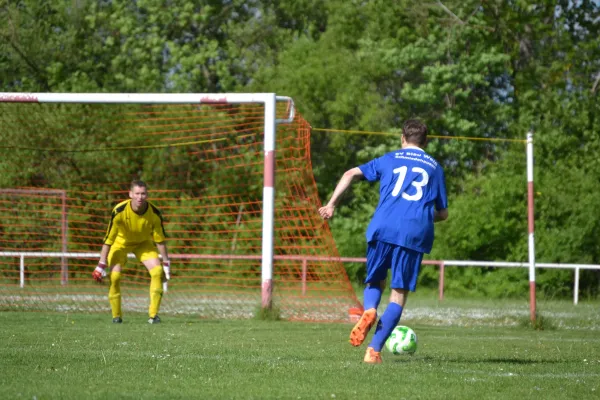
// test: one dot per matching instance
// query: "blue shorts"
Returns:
(404, 263)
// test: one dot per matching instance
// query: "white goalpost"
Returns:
(531, 229)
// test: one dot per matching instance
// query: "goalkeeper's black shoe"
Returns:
(154, 320)
(117, 320)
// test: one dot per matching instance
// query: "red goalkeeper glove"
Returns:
(99, 272)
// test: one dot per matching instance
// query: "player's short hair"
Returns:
(415, 132)
(138, 183)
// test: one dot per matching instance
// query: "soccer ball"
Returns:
(403, 340)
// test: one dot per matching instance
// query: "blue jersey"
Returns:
(412, 186)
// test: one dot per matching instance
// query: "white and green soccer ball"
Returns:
(403, 340)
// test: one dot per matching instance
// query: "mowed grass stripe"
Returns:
(74, 356)
(519, 338)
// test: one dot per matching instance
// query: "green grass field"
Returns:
(465, 356)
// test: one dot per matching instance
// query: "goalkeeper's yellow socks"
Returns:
(114, 294)
(156, 290)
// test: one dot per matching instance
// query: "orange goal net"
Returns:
(65, 165)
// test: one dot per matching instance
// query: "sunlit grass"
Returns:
(74, 356)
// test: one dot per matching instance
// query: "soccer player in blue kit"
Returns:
(412, 196)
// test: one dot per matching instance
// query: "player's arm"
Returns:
(100, 270)
(160, 236)
(440, 215)
(347, 179)
(104, 253)
(109, 239)
(441, 203)
(164, 253)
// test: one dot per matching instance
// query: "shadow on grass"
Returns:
(463, 360)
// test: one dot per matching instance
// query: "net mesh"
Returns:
(65, 167)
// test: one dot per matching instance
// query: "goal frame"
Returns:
(270, 128)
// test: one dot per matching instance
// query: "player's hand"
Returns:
(326, 212)
(99, 272)
(167, 269)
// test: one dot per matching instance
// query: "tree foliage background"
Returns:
(474, 68)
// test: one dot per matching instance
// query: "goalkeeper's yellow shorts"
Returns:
(143, 251)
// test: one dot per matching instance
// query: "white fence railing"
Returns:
(305, 259)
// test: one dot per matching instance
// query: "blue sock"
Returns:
(372, 296)
(385, 326)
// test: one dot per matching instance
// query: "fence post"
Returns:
(304, 268)
(576, 287)
(64, 269)
(22, 271)
(441, 289)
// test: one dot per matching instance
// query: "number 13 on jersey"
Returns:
(418, 184)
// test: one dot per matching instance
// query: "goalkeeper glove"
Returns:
(99, 272)
(167, 269)
(167, 275)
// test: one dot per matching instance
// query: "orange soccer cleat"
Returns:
(372, 356)
(362, 327)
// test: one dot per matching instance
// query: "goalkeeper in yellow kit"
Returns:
(136, 227)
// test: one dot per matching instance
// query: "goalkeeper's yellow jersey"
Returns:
(127, 228)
